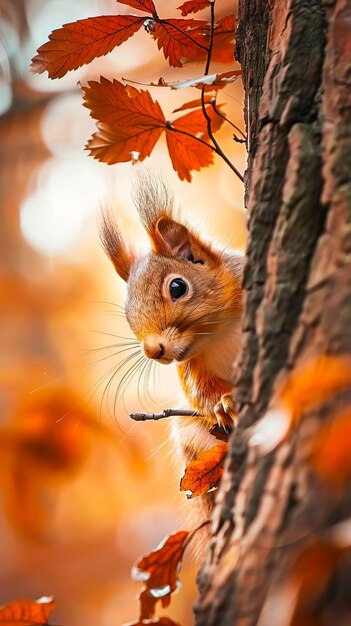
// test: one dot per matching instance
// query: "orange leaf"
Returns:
(27, 613)
(187, 153)
(193, 104)
(78, 43)
(211, 82)
(41, 451)
(313, 383)
(204, 473)
(129, 121)
(223, 41)
(193, 6)
(159, 570)
(180, 40)
(141, 5)
(196, 123)
(330, 449)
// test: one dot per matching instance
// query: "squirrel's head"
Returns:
(182, 292)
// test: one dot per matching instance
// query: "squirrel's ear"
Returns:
(115, 248)
(173, 238)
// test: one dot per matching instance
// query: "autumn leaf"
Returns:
(129, 121)
(180, 40)
(159, 570)
(78, 43)
(193, 104)
(313, 383)
(141, 5)
(223, 41)
(211, 82)
(204, 473)
(193, 6)
(27, 613)
(42, 448)
(309, 385)
(330, 449)
(186, 152)
(196, 123)
(311, 575)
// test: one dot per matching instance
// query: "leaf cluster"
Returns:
(129, 121)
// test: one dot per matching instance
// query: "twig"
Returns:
(203, 104)
(143, 417)
(220, 114)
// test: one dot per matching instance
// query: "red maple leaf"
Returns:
(78, 43)
(193, 6)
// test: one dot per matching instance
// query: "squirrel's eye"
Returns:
(178, 288)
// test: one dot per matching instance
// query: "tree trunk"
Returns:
(275, 557)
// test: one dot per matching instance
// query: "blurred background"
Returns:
(83, 491)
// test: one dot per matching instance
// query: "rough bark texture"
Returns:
(296, 60)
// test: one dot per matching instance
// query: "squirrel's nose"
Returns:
(155, 351)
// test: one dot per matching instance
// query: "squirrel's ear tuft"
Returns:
(175, 239)
(115, 248)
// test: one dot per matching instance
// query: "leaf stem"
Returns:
(218, 148)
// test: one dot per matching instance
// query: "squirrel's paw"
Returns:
(225, 412)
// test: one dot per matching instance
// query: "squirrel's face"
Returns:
(175, 306)
(180, 295)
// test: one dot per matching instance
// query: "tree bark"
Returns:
(272, 509)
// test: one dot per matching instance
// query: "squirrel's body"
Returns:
(184, 304)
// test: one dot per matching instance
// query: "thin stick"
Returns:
(143, 417)
(218, 148)
(220, 114)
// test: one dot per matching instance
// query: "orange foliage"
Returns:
(193, 6)
(27, 613)
(313, 383)
(203, 474)
(311, 574)
(45, 444)
(159, 571)
(130, 123)
(79, 43)
(180, 40)
(330, 449)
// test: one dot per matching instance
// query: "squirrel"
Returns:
(184, 303)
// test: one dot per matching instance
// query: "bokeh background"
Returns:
(83, 492)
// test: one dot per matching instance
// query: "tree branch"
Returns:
(143, 417)
(218, 148)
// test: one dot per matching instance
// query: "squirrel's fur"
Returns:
(200, 330)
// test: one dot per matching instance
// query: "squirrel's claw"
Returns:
(225, 412)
